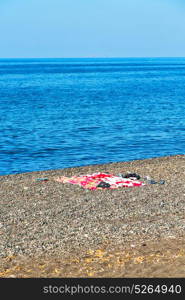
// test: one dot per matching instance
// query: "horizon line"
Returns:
(93, 57)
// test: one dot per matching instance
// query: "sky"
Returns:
(92, 28)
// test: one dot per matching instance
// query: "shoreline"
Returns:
(97, 165)
(51, 219)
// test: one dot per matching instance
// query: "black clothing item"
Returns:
(134, 175)
(103, 184)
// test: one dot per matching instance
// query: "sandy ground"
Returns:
(51, 229)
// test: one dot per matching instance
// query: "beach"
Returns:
(52, 229)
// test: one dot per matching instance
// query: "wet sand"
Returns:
(51, 229)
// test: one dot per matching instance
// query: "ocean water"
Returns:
(58, 113)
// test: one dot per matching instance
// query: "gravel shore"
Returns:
(52, 219)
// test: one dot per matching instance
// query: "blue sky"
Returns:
(92, 28)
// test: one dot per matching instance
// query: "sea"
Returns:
(59, 113)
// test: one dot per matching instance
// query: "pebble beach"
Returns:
(51, 229)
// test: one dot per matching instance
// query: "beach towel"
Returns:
(96, 180)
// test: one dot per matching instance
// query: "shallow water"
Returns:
(58, 113)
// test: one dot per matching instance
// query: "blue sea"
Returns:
(58, 113)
